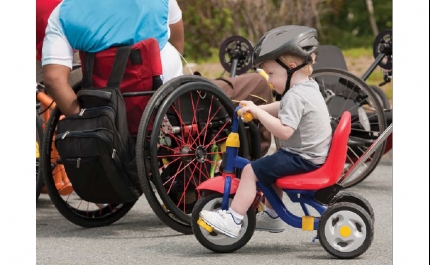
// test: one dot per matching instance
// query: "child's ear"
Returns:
(292, 65)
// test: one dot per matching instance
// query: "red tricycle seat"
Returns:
(329, 173)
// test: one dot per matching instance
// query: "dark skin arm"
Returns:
(55, 78)
(177, 36)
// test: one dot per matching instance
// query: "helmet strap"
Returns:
(290, 72)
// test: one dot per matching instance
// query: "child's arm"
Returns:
(271, 108)
(274, 125)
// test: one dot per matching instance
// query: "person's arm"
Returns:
(176, 26)
(272, 108)
(57, 57)
(177, 36)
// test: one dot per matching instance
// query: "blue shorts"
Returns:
(280, 164)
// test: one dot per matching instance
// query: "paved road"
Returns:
(140, 238)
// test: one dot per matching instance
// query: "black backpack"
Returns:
(95, 146)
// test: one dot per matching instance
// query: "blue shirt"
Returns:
(95, 25)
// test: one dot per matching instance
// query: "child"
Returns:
(300, 120)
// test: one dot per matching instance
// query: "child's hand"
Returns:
(249, 106)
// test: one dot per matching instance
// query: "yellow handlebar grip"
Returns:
(246, 117)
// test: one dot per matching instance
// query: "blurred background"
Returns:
(350, 25)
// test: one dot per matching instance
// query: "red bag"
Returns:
(143, 67)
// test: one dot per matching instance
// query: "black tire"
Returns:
(159, 198)
(348, 196)
(71, 206)
(223, 243)
(351, 244)
(39, 137)
(344, 91)
(383, 99)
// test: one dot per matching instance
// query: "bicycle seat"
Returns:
(329, 173)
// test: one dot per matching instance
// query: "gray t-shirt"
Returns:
(303, 108)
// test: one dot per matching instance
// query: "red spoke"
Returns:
(209, 112)
(167, 147)
(179, 171)
(211, 142)
(214, 153)
(195, 113)
(185, 190)
(201, 172)
(207, 124)
(168, 164)
(181, 122)
(178, 155)
(183, 128)
(171, 184)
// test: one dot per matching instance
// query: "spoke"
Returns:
(207, 124)
(209, 113)
(167, 164)
(178, 155)
(195, 114)
(185, 190)
(179, 171)
(219, 131)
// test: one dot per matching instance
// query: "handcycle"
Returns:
(345, 224)
(342, 91)
(44, 105)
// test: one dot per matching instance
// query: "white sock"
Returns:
(237, 217)
(271, 212)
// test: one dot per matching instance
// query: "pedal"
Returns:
(204, 225)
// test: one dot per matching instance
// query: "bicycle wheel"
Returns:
(180, 143)
(60, 190)
(385, 103)
(39, 135)
(344, 91)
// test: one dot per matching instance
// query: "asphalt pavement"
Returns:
(141, 238)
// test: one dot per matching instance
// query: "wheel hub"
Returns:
(201, 154)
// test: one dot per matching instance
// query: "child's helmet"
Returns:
(292, 39)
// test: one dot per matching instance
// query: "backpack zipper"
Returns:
(78, 162)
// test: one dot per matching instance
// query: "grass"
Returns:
(358, 52)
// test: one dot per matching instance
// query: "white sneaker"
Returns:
(222, 221)
(265, 222)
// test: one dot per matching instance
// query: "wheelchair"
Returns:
(345, 220)
(179, 144)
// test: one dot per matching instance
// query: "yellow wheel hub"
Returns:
(345, 231)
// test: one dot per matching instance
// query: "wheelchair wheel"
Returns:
(345, 92)
(213, 240)
(345, 230)
(39, 136)
(385, 103)
(60, 191)
(180, 143)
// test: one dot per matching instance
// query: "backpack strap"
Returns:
(119, 65)
(87, 75)
(118, 68)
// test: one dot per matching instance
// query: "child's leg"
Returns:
(245, 194)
